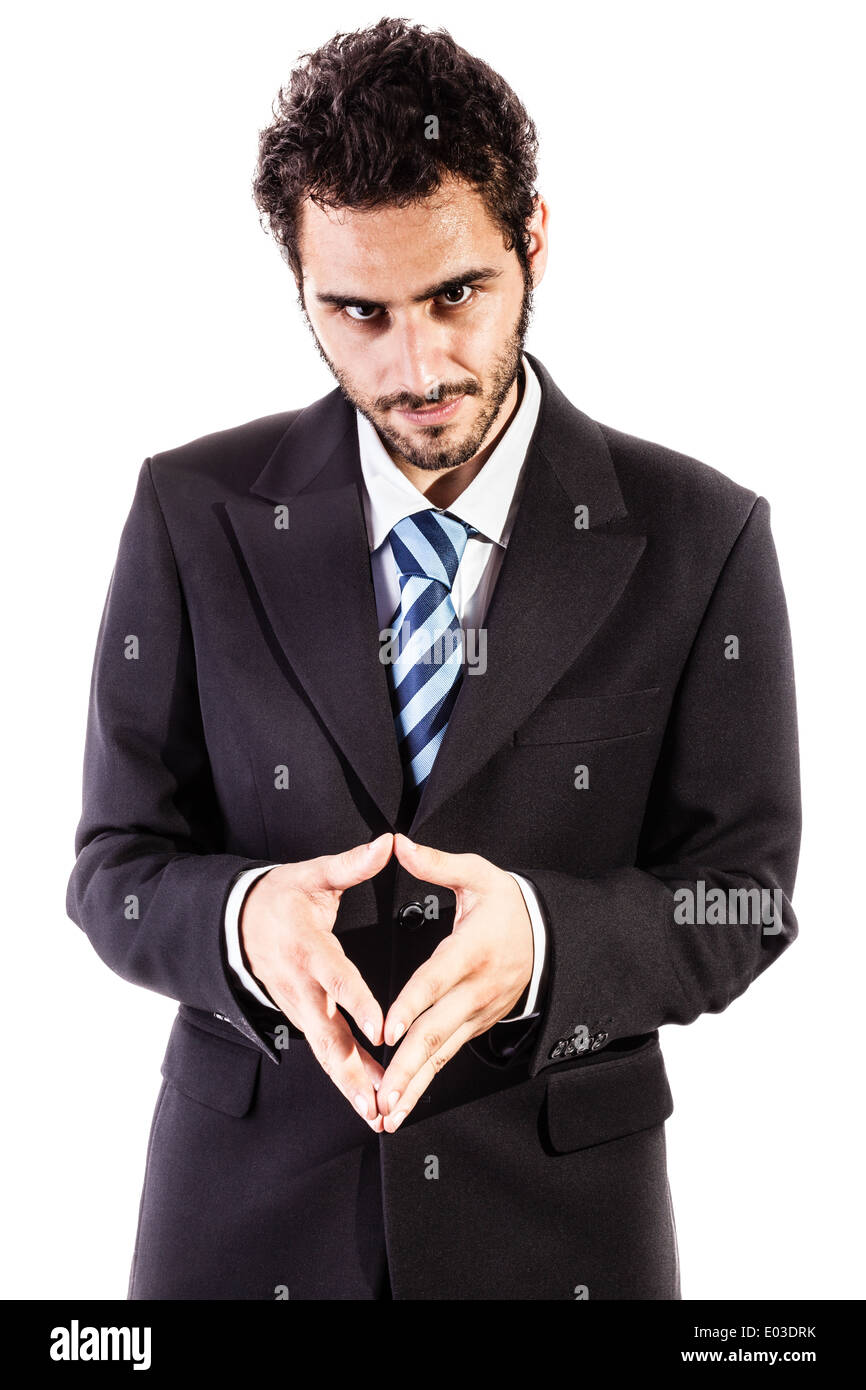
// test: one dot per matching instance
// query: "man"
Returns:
(442, 748)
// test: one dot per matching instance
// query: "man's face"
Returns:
(420, 313)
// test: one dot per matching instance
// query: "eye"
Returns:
(360, 313)
(456, 291)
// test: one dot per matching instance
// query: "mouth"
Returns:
(433, 414)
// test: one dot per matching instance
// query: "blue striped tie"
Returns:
(427, 664)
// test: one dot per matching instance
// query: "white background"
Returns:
(703, 163)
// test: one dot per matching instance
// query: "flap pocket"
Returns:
(209, 1069)
(584, 718)
(590, 1104)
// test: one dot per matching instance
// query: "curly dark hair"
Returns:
(353, 129)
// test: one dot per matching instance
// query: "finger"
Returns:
(426, 1039)
(374, 1072)
(304, 1014)
(450, 963)
(401, 1101)
(327, 963)
(339, 871)
(352, 1070)
(374, 1069)
(438, 866)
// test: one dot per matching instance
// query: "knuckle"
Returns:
(336, 984)
(300, 956)
(483, 966)
(347, 859)
(478, 958)
(432, 991)
(321, 966)
(432, 1042)
(321, 900)
(478, 871)
(325, 1048)
(310, 882)
(438, 1060)
(485, 995)
(284, 987)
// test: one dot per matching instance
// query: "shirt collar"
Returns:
(488, 503)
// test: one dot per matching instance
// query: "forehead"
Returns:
(387, 249)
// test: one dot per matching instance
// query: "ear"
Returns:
(537, 228)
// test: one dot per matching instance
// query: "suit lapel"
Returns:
(556, 586)
(313, 582)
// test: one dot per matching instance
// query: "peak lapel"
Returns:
(312, 582)
(556, 586)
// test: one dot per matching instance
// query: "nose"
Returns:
(419, 364)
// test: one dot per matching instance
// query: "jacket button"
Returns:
(411, 916)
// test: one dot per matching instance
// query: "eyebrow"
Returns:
(453, 282)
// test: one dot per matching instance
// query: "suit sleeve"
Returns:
(723, 813)
(151, 882)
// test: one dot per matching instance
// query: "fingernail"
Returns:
(361, 1105)
(369, 1028)
(399, 1030)
(375, 1085)
(398, 1119)
(392, 1099)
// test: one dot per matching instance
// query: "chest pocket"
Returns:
(590, 718)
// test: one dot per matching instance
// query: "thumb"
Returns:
(351, 866)
(437, 865)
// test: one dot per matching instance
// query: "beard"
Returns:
(428, 452)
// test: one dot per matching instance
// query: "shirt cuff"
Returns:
(232, 933)
(539, 945)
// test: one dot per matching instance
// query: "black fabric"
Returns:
(239, 715)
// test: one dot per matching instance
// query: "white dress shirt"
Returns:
(489, 503)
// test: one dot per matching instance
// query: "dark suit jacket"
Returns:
(240, 638)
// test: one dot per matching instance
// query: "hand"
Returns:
(472, 980)
(286, 926)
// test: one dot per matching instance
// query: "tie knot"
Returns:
(430, 544)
